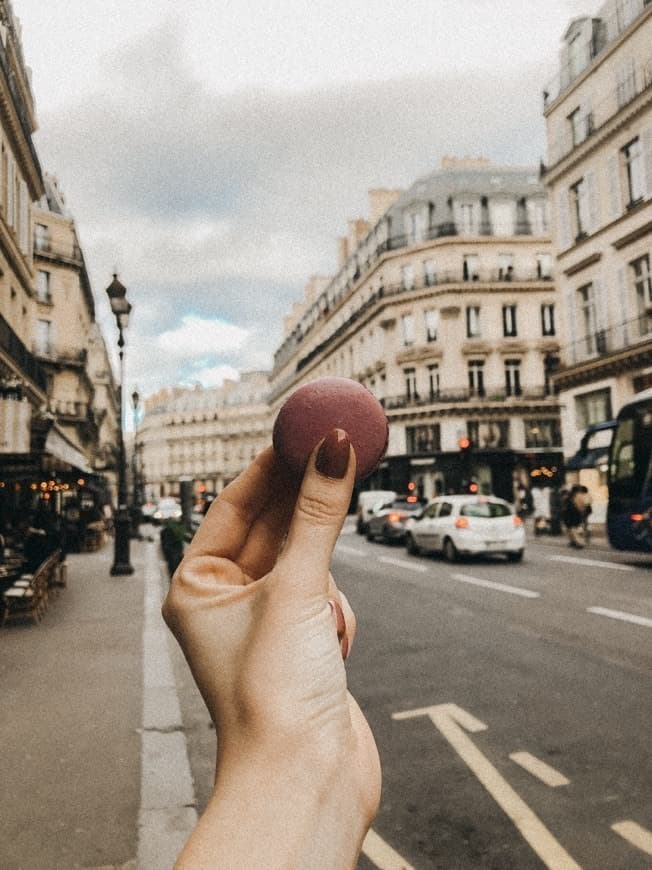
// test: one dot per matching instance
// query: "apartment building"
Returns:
(444, 306)
(598, 113)
(22, 380)
(207, 435)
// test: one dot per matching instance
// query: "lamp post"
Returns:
(120, 307)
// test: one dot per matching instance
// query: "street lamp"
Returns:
(121, 307)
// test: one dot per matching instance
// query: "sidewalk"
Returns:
(86, 721)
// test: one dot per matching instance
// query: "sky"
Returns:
(212, 152)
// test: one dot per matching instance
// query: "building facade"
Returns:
(444, 306)
(207, 435)
(23, 385)
(598, 114)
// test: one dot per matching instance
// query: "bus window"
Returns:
(622, 452)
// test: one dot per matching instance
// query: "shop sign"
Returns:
(15, 420)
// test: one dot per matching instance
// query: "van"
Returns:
(367, 501)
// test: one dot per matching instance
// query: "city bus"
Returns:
(629, 512)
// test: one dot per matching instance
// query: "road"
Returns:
(533, 696)
(511, 704)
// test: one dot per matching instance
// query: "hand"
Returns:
(251, 611)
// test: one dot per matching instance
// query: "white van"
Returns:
(367, 501)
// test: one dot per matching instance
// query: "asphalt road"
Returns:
(493, 672)
(552, 665)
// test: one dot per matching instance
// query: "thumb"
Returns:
(319, 512)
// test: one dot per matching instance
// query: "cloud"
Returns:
(215, 376)
(216, 208)
(197, 338)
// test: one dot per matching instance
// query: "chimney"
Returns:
(342, 251)
(451, 163)
(380, 199)
(358, 229)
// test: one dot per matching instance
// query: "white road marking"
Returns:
(448, 718)
(382, 855)
(594, 563)
(622, 615)
(403, 563)
(498, 587)
(540, 769)
(635, 834)
(353, 551)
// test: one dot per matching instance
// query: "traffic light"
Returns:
(464, 444)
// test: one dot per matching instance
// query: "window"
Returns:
(544, 266)
(470, 267)
(429, 273)
(488, 434)
(407, 277)
(578, 55)
(433, 380)
(473, 321)
(414, 226)
(548, 318)
(43, 336)
(635, 170)
(505, 267)
(626, 82)
(410, 383)
(43, 286)
(580, 201)
(594, 407)
(467, 219)
(476, 377)
(432, 324)
(509, 321)
(643, 289)
(545, 432)
(408, 329)
(485, 509)
(587, 316)
(423, 439)
(513, 377)
(538, 214)
(502, 218)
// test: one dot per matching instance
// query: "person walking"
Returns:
(574, 516)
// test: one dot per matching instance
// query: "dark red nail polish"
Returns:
(345, 648)
(338, 616)
(333, 456)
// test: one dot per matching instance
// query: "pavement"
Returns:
(94, 770)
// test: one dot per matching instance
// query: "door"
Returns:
(441, 524)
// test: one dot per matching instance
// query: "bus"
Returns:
(629, 512)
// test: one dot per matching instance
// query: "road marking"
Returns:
(540, 769)
(622, 615)
(403, 563)
(449, 719)
(594, 563)
(635, 834)
(353, 551)
(382, 855)
(498, 587)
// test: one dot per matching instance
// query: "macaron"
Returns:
(319, 406)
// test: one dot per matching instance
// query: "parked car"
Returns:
(387, 521)
(367, 501)
(467, 525)
(167, 509)
(147, 511)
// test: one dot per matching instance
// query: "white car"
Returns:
(368, 501)
(467, 525)
(167, 509)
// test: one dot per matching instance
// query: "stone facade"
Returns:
(208, 435)
(444, 306)
(598, 115)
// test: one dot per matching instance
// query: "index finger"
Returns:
(226, 526)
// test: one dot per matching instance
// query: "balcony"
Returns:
(25, 361)
(46, 249)
(61, 356)
(463, 396)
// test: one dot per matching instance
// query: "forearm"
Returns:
(284, 816)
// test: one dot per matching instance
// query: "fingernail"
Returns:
(345, 648)
(333, 456)
(338, 617)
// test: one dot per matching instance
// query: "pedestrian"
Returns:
(265, 631)
(573, 517)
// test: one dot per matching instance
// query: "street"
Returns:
(532, 689)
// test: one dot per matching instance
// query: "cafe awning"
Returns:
(58, 446)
